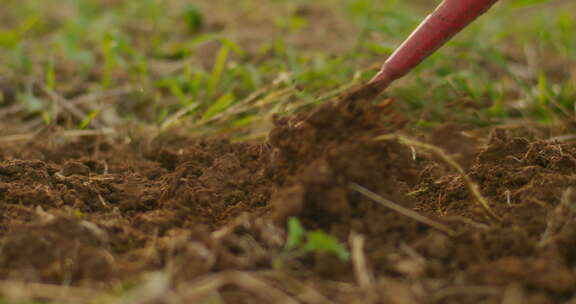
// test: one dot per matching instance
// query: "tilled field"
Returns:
(176, 219)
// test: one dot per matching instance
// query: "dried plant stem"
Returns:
(245, 280)
(65, 294)
(67, 105)
(299, 289)
(66, 134)
(472, 187)
(467, 290)
(404, 211)
(364, 276)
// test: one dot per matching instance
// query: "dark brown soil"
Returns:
(210, 214)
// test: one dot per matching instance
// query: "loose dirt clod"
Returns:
(208, 215)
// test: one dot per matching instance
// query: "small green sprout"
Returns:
(194, 18)
(85, 123)
(301, 241)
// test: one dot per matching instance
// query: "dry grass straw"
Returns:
(20, 292)
(209, 284)
(364, 276)
(404, 211)
(472, 187)
(65, 134)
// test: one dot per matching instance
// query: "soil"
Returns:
(210, 214)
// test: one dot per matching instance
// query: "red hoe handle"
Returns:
(449, 18)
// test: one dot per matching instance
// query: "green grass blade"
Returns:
(220, 105)
(219, 66)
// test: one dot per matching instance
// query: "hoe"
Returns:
(449, 18)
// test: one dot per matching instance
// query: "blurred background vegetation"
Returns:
(226, 66)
